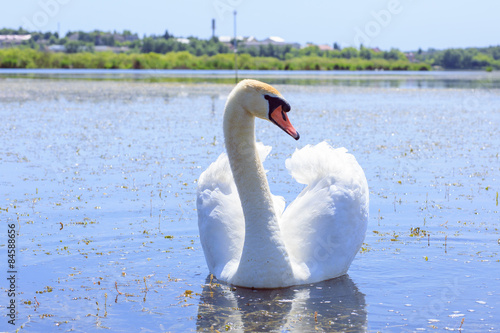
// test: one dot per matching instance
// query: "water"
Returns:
(99, 177)
(383, 79)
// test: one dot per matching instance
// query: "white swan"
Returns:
(247, 238)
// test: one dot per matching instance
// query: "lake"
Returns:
(98, 176)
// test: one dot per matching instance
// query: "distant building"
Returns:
(115, 49)
(275, 39)
(13, 39)
(56, 48)
(253, 42)
(182, 40)
(98, 48)
(228, 39)
(125, 37)
(325, 47)
(103, 35)
(410, 56)
(74, 36)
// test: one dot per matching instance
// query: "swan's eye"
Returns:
(286, 106)
(274, 102)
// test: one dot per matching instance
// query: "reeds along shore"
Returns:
(28, 58)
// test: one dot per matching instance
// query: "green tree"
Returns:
(349, 52)
(72, 46)
(481, 60)
(78, 46)
(365, 53)
(166, 35)
(108, 40)
(394, 54)
(147, 45)
(452, 59)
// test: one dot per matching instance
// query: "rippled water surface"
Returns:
(100, 176)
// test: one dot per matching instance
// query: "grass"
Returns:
(29, 58)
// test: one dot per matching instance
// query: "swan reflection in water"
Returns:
(332, 305)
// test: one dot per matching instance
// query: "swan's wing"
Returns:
(220, 216)
(325, 226)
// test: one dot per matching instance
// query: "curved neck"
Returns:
(248, 172)
(264, 259)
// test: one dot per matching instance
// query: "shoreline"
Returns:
(387, 79)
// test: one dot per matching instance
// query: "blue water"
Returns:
(99, 177)
(388, 79)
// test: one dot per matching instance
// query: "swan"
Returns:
(248, 237)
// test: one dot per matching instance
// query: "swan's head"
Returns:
(265, 102)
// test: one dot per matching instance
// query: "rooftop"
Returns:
(15, 38)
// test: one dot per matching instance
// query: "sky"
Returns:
(403, 24)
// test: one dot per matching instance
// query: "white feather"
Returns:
(323, 228)
(315, 238)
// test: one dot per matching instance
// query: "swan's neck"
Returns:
(248, 172)
(263, 246)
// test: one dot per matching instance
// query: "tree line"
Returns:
(130, 43)
(469, 58)
(29, 58)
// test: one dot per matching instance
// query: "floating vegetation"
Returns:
(105, 206)
(365, 248)
(46, 290)
(187, 293)
(45, 315)
(417, 232)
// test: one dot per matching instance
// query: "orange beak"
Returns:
(279, 117)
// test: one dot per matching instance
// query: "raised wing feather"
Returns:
(325, 226)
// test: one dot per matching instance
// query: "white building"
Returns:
(13, 39)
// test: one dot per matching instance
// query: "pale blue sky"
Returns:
(404, 24)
